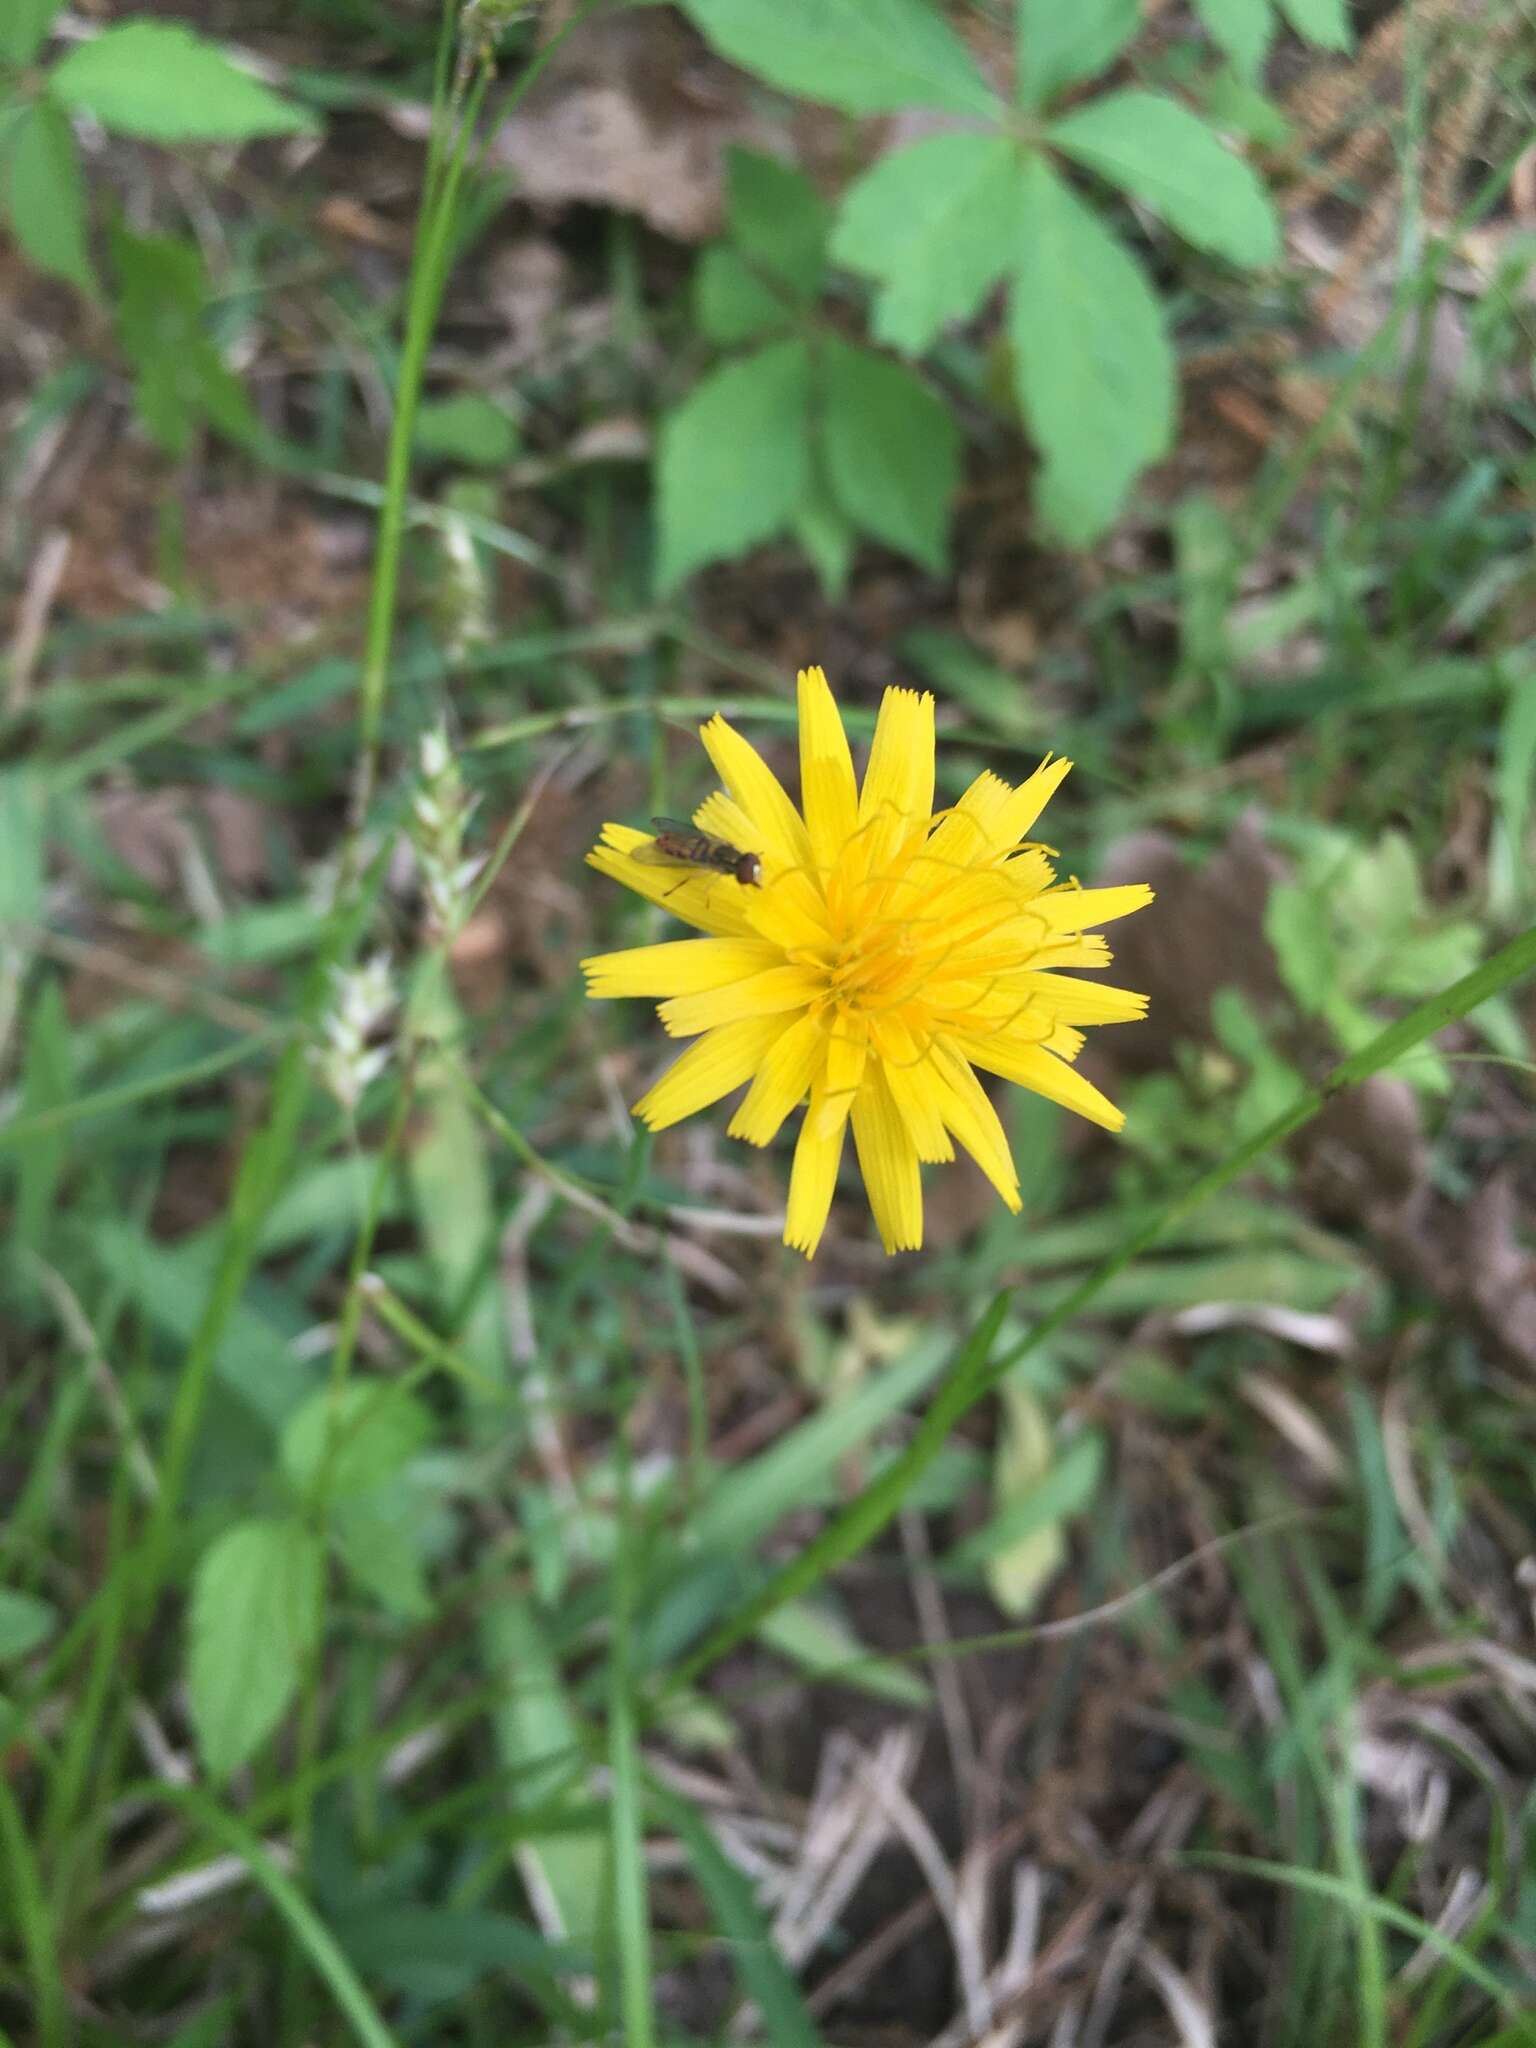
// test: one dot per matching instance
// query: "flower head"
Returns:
(439, 816)
(351, 1053)
(889, 951)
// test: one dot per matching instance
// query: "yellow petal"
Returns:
(792, 1063)
(1072, 1001)
(681, 967)
(1064, 1040)
(768, 994)
(968, 834)
(1031, 1066)
(967, 1111)
(1030, 799)
(909, 1077)
(1076, 910)
(897, 796)
(1030, 872)
(755, 787)
(787, 911)
(1074, 949)
(719, 1062)
(888, 1162)
(723, 818)
(828, 793)
(847, 1050)
(710, 902)
(789, 897)
(813, 1177)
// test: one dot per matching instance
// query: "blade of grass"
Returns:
(308, 1930)
(764, 1977)
(631, 1911)
(28, 1907)
(1368, 1905)
(23, 1129)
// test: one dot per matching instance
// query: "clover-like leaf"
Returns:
(1093, 365)
(732, 464)
(1160, 152)
(933, 223)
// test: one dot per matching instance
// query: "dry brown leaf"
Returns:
(631, 112)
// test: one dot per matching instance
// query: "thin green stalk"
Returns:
(456, 109)
(976, 1373)
(28, 1908)
(429, 275)
(409, 1327)
(631, 1912)
(301, 1811)
(82, 1748)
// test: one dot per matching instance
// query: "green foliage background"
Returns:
(443, 1533)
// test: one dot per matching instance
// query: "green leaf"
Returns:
(24, 26)
(1243, 29)
(1206, 557)
(1062, 41)
(865, 56)
(1092, 359)
(892, 451)
(934, 224)
(1303, 945)
(23, 836)
(382, 1537)
(182, 381)
(1236, 107)
(45, 194)
(744, 1503)
(1032, 1490)
(354, 1439)
(778, 219)
(1324, 22)
(254, 1619)
(46, 1082)
(436, 1954)
(25, 1621)
(158, 80)
(764, 1975)
(732, 464)
(1431, 960)
(1510, 877)
(827, 538)
(821, 1641)
(1035, 1490)
(540, 1740)
(1160, 152)
(466, 428)
(169, 1285)
(731, 303)
(1270, 1081)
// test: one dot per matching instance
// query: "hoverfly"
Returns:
(680, 845)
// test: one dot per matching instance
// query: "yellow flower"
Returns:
(889, 951)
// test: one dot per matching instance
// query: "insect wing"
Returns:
(666, 850)
(651, 853)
